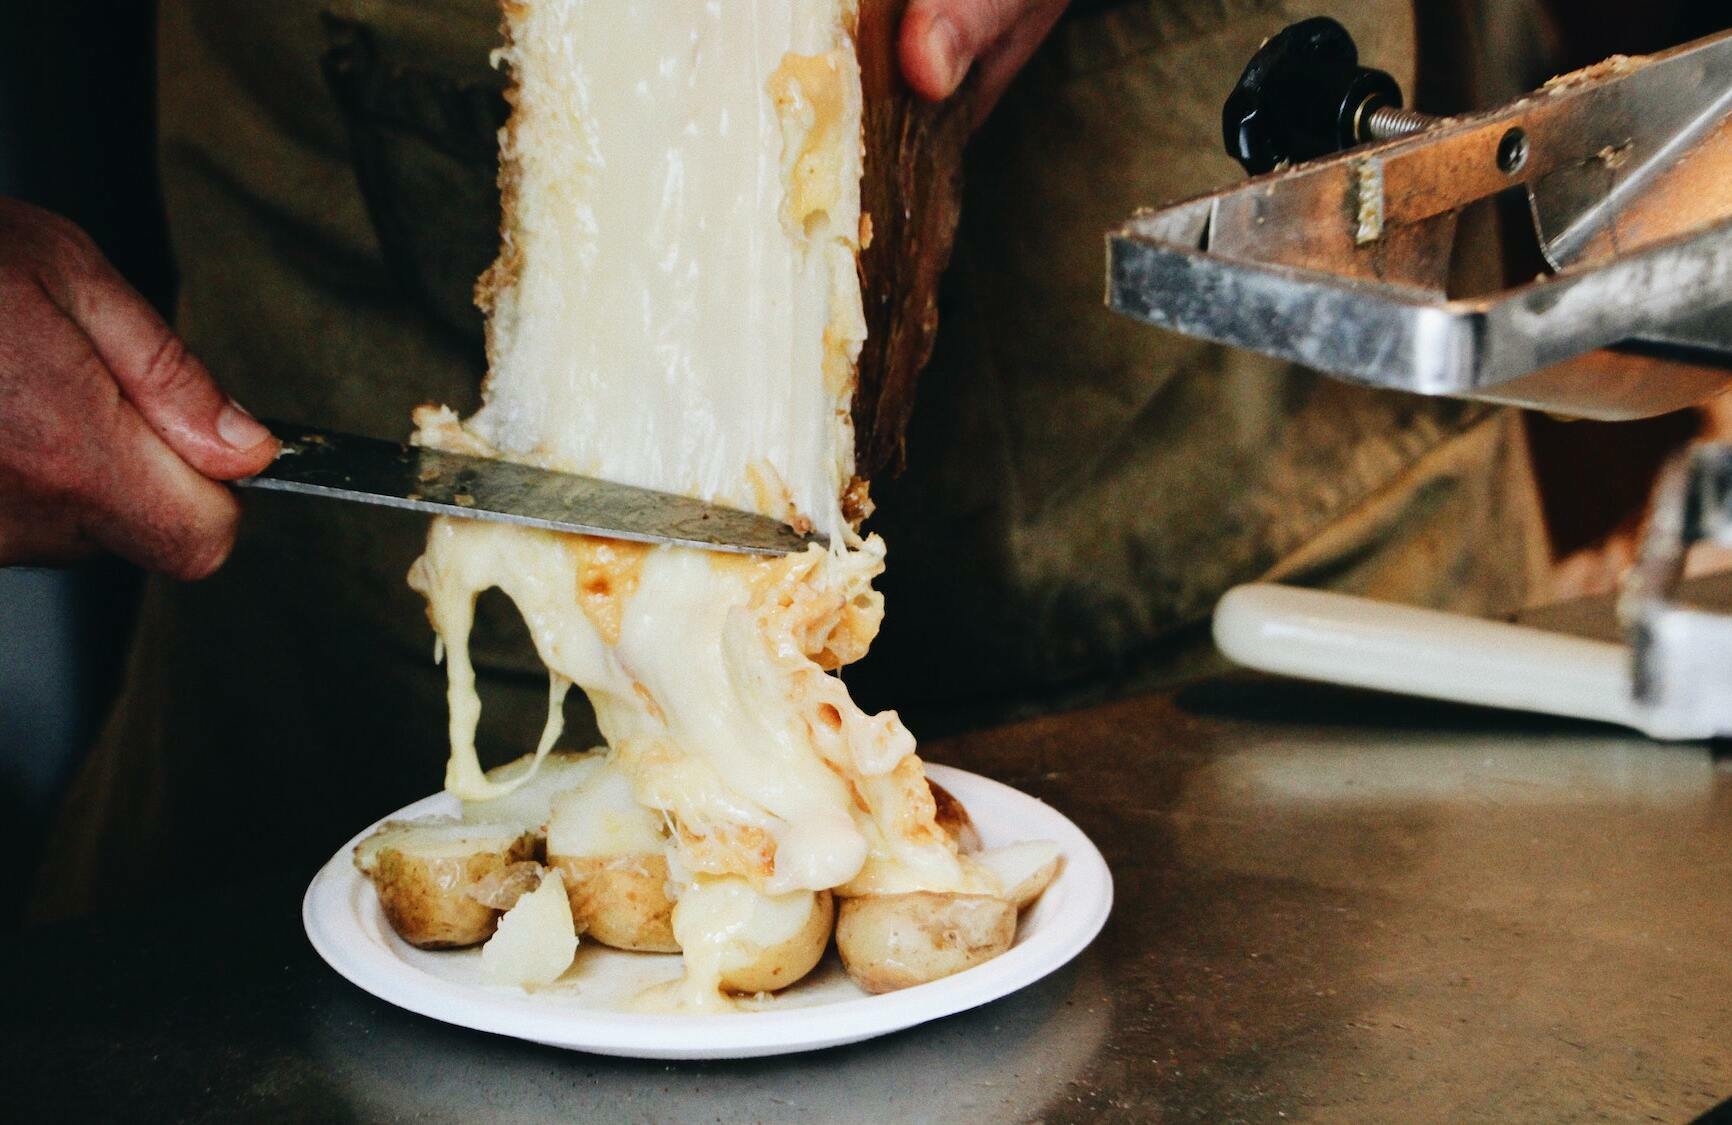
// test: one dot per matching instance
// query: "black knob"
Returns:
(1304, 95)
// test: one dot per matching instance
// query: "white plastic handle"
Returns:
(1358, 642)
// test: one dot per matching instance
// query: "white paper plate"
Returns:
(582, 1010)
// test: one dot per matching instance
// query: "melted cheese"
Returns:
(534, 785)
(655, 319)
(601, 817)
(725, 925)
(676, 305)
(716, 701)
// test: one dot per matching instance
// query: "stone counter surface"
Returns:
(1331, 906)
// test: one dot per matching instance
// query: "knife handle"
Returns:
(1358, 642)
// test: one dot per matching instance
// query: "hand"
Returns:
(942, 39)
(111, 434)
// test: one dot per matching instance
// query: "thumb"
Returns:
(940, 39)
(157, 374)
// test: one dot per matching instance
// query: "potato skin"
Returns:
(620, 901)
(896, 941)
(780, 965)
(425, 899)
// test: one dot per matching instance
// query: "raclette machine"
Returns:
(1339, 254)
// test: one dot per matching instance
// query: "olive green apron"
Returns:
(1081, 489)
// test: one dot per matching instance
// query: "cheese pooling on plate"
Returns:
(677, 305)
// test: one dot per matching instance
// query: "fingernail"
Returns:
(946, 44)
(238, 428)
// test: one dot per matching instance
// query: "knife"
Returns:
(338, 466)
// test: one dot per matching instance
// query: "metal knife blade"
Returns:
(368, 471)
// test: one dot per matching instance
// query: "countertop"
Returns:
(1331, 906)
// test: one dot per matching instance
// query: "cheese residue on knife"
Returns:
(676, 305)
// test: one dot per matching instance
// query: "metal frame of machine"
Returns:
(1342, 264)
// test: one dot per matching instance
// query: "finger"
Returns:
(1004, 60)
(151, 508)
(77, 447)
(940, 39)
(165, 382)
(40, 534)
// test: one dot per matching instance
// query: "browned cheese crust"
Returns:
(502, 274)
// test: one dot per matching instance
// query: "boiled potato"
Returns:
(768, 964)
(620, 901)
(895, 941)
(1023, 870)
(612, 853)
(535, 940)
(424, 873)
(751, 941)
(953, 817)
(530, 805)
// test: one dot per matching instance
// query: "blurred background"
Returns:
(76, 136)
